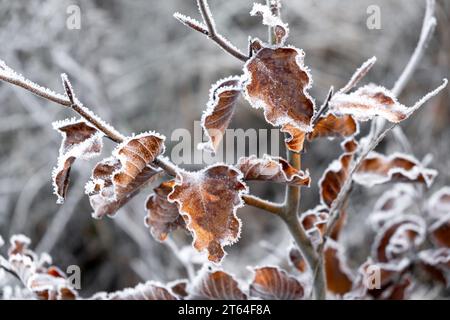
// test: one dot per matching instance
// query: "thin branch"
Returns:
(209, 29)
(266, 205)
(324, 107)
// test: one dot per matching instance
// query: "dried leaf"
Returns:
(215, 285)
(274, 169)
(398, 237)
(80, 140)
(439, 203)
(437, 263)
(277, 81)
(295, 139)
(377, 169)
(331, 126)
(372, 100)
(144, 291)
(115, 180)
(179, 287)
(338, 275)
(162, 216)
(271, 283)
(208, 199)
(296, 258)
(440, 231)
(220, 109)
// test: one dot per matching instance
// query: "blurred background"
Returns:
(140, 69)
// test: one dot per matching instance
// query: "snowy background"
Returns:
(140, 69)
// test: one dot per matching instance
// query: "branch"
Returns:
(266, 205)
(324, 107)
(208, 28)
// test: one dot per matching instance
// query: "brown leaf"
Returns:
(46, 283)
(336, 174)
(373, 100)
(436, 262)
(209, 199)
(271, 283)
(377, 169)
(143, 291)
(296, 139)
(331, 126)
(80, 140)
(281, 29)
(115, 180)
(220, 109)
(162, 216)
(274, 169)
(296, 258)
(215, 285)
(398, 237)
(440, 231)
(338, 276)
(439, 203)
(179, 287)
(277, 81)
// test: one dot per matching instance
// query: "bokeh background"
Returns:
(136, 66)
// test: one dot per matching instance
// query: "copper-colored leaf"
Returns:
(80, 141)
(398, 237)
(336, 174)
(271, 283)
(179, 287)
(274, 169)
(144, 291)
(437, 264)
(115, 180)
(220, 109)
(338, 275)
(281, 29)
(440, 231)
(45, 282)
(215, 285)
(208, 199)
(296, 139)
(277, 81)
(372, 100)
(377, 168)
(331, 126)
(162, 216)
(296, 258)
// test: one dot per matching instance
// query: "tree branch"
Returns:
(266, 205)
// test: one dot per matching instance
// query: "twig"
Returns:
(266, 205)
(209, 29)
(324, 107)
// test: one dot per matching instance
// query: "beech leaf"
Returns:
(208, 200)
(338, 275)
(281, 29)
(440, 231)
(331, 126)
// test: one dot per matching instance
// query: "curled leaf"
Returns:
(437, 263)
(372, 100)
(439, 203)
(220, 109)
(440, 231)
(215, 285)
(149, 290)
(208, 199)
(80, 140)
(296, 258)
(277, 81)
(281, 29)
(338, 275)
(271, 283)
(115, 180)
(162, 216)
(331, 126)
(295, 137)
(274, 169)
(398, 237)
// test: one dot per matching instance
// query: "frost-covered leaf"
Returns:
(273, 169)
(373, 100)
(215, 285)
(437, 264)
(296, 258)
(281, 29)
(162, 216)
(440, 231)
(358, 75)
(179, 287)
(149, 290)
(115, 180)
(272, 283)
(80, 140)
(331, 126)
(336, 174)
(277, 81)
(377, 169)
(45, 282)
(338, 275)
(220, 109)
(208, 199)
(399, 237)
(392, 203)
(295, 139)
(439, 203)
